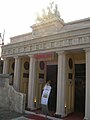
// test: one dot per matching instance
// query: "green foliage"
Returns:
(51, 12)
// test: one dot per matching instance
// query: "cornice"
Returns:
(50, 45)
(59, 35)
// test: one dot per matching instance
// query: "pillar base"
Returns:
(60, 115)
(85, 118)
(57, 116)
(31, 108)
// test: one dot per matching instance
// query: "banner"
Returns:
(45, 95)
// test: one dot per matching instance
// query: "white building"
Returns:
(57, 51)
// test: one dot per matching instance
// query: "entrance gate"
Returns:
(51, 74)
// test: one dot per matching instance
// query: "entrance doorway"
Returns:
(80, 77)
(51, 74)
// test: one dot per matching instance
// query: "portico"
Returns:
(65, 46)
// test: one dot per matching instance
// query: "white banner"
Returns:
(45, 95)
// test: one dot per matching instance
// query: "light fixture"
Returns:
(35, 102)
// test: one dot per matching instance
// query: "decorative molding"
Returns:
(87, 49)
(44, 45)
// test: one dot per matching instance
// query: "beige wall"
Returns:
(24, 80)
(78, 58)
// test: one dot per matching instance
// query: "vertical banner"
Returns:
(45, 95)
(44, 99)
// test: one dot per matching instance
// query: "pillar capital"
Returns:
(31, 55)
(87, 49)
(5, 58)
(16, 57)
(60, 52)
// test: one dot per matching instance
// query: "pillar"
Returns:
(31, 84)
(87, 99)
(5, 66)
(16, 83)
(60, 108)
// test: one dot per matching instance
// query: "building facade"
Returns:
(55, 51)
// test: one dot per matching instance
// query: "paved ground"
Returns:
(6, 114)
(21, 118)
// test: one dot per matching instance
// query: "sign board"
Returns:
(47, 56)
(44, 99)
(41, 77)
(45, 95)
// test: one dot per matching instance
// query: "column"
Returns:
(60, 108)
(5, 66)
(16, 83)
(87, 99)
(31, 84)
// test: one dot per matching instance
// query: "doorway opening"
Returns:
(51, 74)
(80, 78)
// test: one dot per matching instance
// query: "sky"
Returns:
(16, 16)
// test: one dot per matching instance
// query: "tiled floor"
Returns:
(72, 116)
